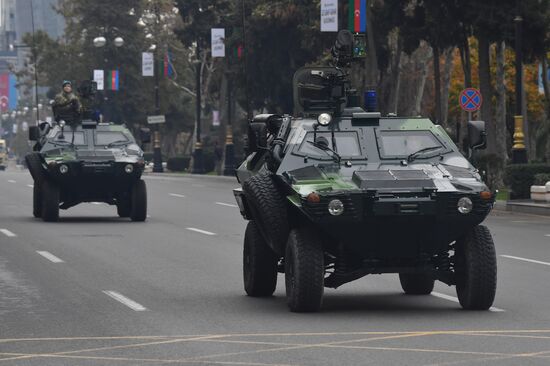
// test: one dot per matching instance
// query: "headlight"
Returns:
(63, 169)
(324, 119)
(129, 168)
(61, 123)
(465, 205)
(335, 207)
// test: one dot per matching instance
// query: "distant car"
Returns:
(341, 193)
(91, 162)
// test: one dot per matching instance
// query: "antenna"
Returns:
(245, 59)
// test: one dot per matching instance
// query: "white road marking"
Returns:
(124, 300)
(176, 195)
(7, 233)
(226, 204)
(49, 256)
(200, 231)
(30, 185)
(454, 299)
(525, 259)
(547, 235)
(11, 181)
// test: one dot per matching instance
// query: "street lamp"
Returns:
(198, 166)
(519, 151)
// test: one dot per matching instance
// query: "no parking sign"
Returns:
(471, 100)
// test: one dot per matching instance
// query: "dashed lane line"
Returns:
(30, 185)
(176, 195)
(124, 300)
(11, 181)
(226, 204)
(7, 233)
(201, 231)
(525, 259)
(49, 256)
(454, 299)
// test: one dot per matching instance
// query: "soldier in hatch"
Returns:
(67, 106)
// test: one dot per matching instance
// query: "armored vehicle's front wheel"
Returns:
(139, 201)
(50, 201)
(34, 163)
(416, 283)
(37, 200)
(304, 271)
(124, 206)
(476, 269)
(259, 264)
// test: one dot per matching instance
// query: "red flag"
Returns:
(357, 16)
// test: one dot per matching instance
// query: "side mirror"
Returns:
(145, 135)
(477, 135)
(257, 137)
(34, 133)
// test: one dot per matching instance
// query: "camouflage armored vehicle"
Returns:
(87, 162)
(340, 193)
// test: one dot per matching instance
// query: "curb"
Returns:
(527, 207)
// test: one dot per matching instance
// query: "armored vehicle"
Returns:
(87, 162)
(339, 193)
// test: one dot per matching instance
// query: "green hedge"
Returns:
(178, 163)
(541, 179)
(520, 178)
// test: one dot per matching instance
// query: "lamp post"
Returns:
(519, 151)
(198, 167)
(101, 42)
(229, 164)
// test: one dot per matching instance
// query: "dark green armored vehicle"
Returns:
(87, 162)
(340, 193)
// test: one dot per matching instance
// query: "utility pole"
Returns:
(229, 164)
(519, 151)
(157, 153)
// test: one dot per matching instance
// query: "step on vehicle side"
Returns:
(340, 193)
(87, 162)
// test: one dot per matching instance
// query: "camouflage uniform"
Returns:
(67, 107)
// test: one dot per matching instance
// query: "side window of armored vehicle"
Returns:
(400, 144)
(77, 139)
(347, 145)
(110, 137)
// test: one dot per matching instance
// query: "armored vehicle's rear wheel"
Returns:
(304, 271)
(476, 269)
(269, 210)
(259, 264)
(34, 163)
(50, 201)
(416, 283)
(138, 211)
(37, 200)
(124, 207)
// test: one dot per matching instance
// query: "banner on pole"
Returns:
(218, 42)
(329, 15)
(113, 81)
(148, 64)
(99, 78)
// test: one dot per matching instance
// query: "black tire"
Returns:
(50, 201)
(416, 283)
(37, 200)
(304, 271)
(259, 264)
(269, 210)
(124, 207)
(34, 164)
(138, 211)
(476, 269)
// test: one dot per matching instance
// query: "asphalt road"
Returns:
(94, 289)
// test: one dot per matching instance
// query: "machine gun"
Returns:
(328, 89)
(87, 91)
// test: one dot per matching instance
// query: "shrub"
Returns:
(178, 163)
(541, 179)
(520, 178)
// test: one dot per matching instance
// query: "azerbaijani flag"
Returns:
(113, 80)
(357, 16)
(168, 66)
